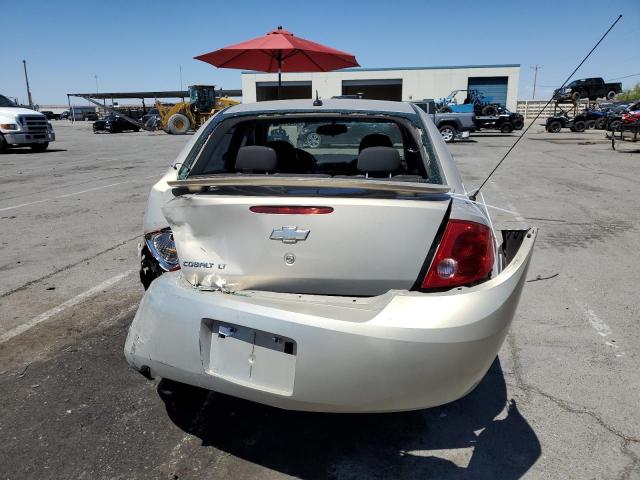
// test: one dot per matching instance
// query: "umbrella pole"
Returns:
(279, 74)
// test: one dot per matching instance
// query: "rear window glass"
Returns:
(304, 145)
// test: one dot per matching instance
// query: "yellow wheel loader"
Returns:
(178, 119)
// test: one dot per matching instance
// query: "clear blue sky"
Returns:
(139, 45)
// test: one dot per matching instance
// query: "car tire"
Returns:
(610, 95)
(575, 96)
(313, 140)
(591, 124)
(39, 147)
(554, 127)
(614, 125)
(506, 127)
(579, 126)
(3, 144)
(518, 124)
(489, 110)
(178, 124)
(448, 133)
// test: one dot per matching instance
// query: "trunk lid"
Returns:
(364, 246)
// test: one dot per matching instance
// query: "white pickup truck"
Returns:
(22, 127)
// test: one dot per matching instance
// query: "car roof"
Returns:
(332, 104)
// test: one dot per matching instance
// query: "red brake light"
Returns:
(465, 255)
(291, 210)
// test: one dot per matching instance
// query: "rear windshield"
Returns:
(313, 145)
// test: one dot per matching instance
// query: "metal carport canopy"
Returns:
(140, 95)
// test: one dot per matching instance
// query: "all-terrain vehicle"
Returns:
(613, 120)
(561, 120)
(595, 117)
(473, 101)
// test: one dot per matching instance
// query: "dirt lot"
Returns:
(561, 401)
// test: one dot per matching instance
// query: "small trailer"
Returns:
(503, 122)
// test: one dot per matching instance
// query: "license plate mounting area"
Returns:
(248, 356)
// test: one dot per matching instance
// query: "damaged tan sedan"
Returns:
(323, 256)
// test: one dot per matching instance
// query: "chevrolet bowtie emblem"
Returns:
(289, 234)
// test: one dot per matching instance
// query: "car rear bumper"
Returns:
(29, 138)
(398, 351)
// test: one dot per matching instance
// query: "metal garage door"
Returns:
(379, 89)
(288, 90)
(494, 87)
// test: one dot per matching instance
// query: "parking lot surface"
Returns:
(561, 400)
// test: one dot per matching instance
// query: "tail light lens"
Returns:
(163, 248)
(464, 256)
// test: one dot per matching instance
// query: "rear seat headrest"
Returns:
(379, 160)
(256, 158)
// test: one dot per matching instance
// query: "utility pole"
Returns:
(535, 68)
(180, 68)
(26, 78)
(104, 100)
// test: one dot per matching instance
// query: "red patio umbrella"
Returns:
(280, 51)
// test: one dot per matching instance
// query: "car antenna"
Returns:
(317, 102)
(474, 195)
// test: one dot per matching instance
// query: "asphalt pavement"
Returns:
(561, 400)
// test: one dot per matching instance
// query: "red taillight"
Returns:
(464, 256)
(291, 210)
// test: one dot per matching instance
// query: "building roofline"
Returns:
(386, 69)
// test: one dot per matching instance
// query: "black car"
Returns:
(151, 119)
(50, 115)
(114, 124)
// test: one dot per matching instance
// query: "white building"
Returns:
(408, 83)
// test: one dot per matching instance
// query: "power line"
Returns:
(626, 76)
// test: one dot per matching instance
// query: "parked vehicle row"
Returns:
(608, 117)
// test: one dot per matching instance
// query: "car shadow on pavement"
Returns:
(482, 435)
(31, 152)
(492, 135)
